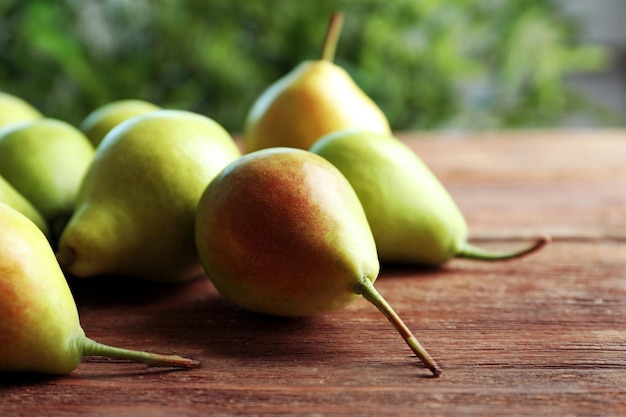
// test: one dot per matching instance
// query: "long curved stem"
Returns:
(470, 251)
(92, 348)
(371, 294)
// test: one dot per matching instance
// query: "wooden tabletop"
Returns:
(543, 335)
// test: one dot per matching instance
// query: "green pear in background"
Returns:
(14, 109)
(413, 217)
(315, 98)
(101, 120)
(13, 198)
(45, 161)
(280, 231)
(39, 323)
(136, 207)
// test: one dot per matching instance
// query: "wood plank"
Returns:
(526, 156)
(568, 210)
(568, 184)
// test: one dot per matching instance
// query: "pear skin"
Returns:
(412, 216)
(315, 98)
(136, 207)
(39, 323)
(45, 160)
(280, 231)
(14, 109)
(104, 118)
(13, 198)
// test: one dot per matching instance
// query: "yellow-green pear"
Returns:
(413, 217)
(39, 322)
(315, 98)
(45, 161)
(13, 198)
(280, 231)
(101, 120)
(136, 207)
(14, 109)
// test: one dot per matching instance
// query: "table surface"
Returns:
(537, 336)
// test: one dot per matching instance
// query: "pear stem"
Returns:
(366, 288)
(93, 348)
(332, 37)
(65, 256)
(469, 251)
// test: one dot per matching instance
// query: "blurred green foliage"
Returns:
(428, 64)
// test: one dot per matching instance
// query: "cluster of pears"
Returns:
(43, 160)
(297, 226)
(318, 107)
(117, 195)
(325, 193)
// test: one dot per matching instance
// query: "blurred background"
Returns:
(429, 64)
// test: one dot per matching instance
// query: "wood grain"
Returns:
(543, 335)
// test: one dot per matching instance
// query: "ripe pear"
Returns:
(315, 98)
(45, 160)
(39, 322)
(136, 207)
(412, 216)
(101, 120)
(14, 109)
(280, 231)
(13, 198)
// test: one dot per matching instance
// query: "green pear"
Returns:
(45, 160)
(280, 231)
(101, 120)
(14, 109)
(412, 216)
(136, 207)
(13, 198)
(315, 98)
(39, 322)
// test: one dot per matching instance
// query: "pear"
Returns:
(39, 323)
(412, 216)
(281, 232)
(14, 109)
(315, 98)
(104, 118)
(13, 198)
(45, 160)
(136, 207)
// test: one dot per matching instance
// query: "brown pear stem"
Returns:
(65, 256)
(332, 37)
(93, 348)
(366, 288)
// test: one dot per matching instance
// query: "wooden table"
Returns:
(540, 336)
